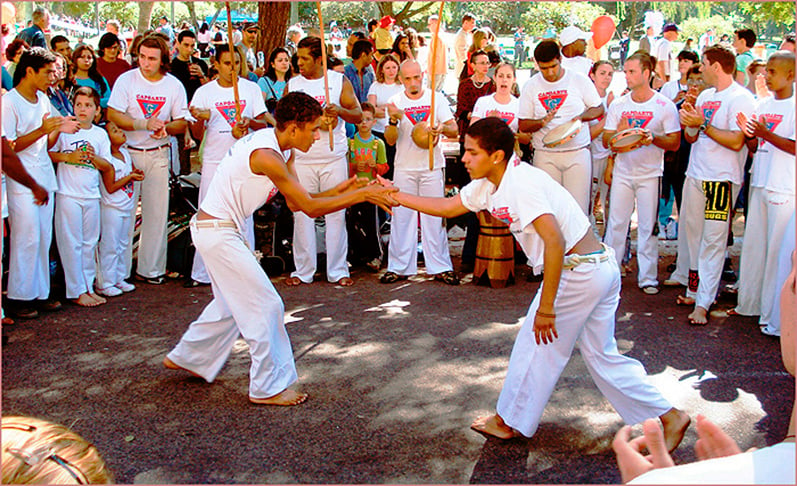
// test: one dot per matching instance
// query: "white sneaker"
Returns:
(110, 292)
(125, 287)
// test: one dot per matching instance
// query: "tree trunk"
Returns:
(273, 20)
(144, 16)
(192, 13)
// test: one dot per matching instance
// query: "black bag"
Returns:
(271, 103)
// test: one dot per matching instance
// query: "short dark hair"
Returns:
(366, 106)
(784, 57)
(333, 62)
(156, 41)
(312, 43)
(221, 49)
(14, 47)
(689, 56)
(108, 39)
(360, 48)
(747, 35)
(694, 70)
(185, 33)
(546, 51)
(646, 61)
(478, 53)
(789, 38)
(493, 134)
(468, 16)
(35, 58)
(723, 55)
(86, 91)
(296, 107)
(57, 40)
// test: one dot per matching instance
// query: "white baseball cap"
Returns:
(571, 34)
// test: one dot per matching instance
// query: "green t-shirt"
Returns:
(368, 151)
(742, 61)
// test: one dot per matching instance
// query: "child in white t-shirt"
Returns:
(116, 207)
(77, 205)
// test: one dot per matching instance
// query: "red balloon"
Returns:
(602, 30)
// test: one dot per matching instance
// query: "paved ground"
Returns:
(395, 375)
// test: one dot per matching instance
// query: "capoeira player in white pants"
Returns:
(636, 174)
(770, 133)
(244, 300)
(412, 175)
(320, 169)
(713, 178)
(549, 99)
(213, 107)
(578, 298)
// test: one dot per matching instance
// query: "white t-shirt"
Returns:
(573, 94)
(135, 96)
(524, 194)
(236, 192)
(708, 160)
(670, 89)
(121, 199)
(383, 92)
(770, 465)
(659, 115)
(319, 152)
(81, 180)
(663, 52)
(773, 168)
(221, 103)
(408, 155)
(579, 64)
(21, 117)
(596, 148)
(507, 112)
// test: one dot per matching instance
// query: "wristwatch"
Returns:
(393, 123)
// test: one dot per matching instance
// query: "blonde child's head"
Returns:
(38, 451)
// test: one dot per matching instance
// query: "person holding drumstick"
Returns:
(409, 111)
(651, 117)
(552, 98)
(576, 305)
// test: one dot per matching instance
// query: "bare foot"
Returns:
(494, 425)
(283, 398)
(345, 282)
(698, 317)
(293, 281)
(675, 423)
(174, 366)
(85, 300)
(684, 300)
(98, 298)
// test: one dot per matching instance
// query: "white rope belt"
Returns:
(574, 260)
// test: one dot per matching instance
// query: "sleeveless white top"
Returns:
(236, 192)
(319, 152)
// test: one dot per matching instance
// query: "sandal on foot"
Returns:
(684, 300)
(724, 313)
(293, 281)
(392, 277)
(449, 278)
(345, 282)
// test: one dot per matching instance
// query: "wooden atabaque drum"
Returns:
(495, 253)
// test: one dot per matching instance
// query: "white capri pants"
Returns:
(705, 239)
(768, 214)
(244, 302)
(116, 225)
(31, 232)
(154, 191)
(77, 232)
(571, 169)
(403, 247)
(599, 186)
(785, 250)
(198, 270)
(624, 193)
(585, 305)
(317, 178)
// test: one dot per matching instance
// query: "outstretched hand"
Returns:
(380, 195)
(712, 441)
(630, 459)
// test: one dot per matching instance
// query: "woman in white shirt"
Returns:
(601, 74)
(385, 86)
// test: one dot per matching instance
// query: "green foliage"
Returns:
(541, 16)
(695, 27)
(778, 13)
(125, 12)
